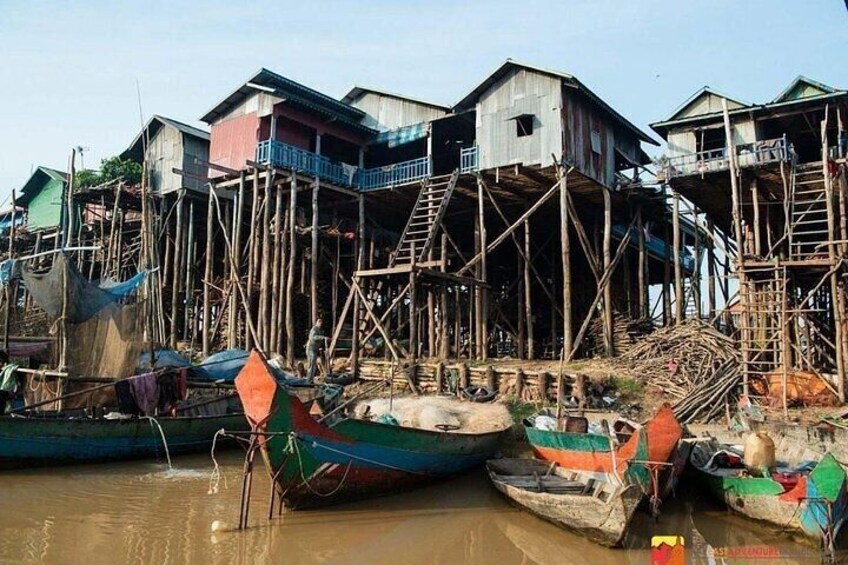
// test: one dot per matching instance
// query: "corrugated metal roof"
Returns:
(294, 93)
(471, 98)
(358, 91)
(154, 124)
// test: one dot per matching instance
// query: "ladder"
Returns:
(423, 224)
(808, 213)
(761, 340)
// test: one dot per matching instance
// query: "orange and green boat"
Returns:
(317, 463)
(650, 450)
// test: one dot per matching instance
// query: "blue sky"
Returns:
(68, 71)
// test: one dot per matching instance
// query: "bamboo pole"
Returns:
(679, 299)
(643, 266)
(565, 249)
(444, 349)
(235, 256)
(207, 273)
(360, 261)
(291, 274)
(176, 272)
(484, 306)
(313, 279)
(276, 271)
(265, 263)
(528, 293)
(711, 270)
(608, 338)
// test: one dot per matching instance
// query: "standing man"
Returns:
(8, 382)
(313, 349)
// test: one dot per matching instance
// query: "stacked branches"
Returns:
(692, 362)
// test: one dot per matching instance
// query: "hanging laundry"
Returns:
(145, 391)
(126, 402)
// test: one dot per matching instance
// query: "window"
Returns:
(524, 125)
(596, 141)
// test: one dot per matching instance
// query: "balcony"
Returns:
(747, 155)
(396, 174)
(282, 155)
(378, 178)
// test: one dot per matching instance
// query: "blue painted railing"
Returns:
(284, 155)
(468, 160)
(395, 174)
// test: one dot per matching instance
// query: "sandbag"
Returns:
(759, 454)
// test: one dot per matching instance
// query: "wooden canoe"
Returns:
(649, 450)
(57, 438)
(316, 465)
(595, 505)
(815, 508)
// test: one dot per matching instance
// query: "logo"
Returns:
(667, 550)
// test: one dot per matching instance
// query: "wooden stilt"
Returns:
(290, 337)
(565, 245)
(176, 270)
(679, 299)
(642, 267)
(608, 310)
(528, 293)
(207, 273)
(313, 278)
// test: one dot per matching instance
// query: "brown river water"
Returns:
(142, 512)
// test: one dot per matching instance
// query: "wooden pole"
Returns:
(711, 270)
(565, 247)
(483, 313)
(176, 272)
(608, 336)
(235, 272)
(189, 308)
(360, 258)
(207, 273)
(313, 280)
(642, 267)
(277, 270)
(528, 293)
(679, 299)
(291, 274)
(740, 242)
(9, 293)
(696, 273)
(444, 348)
(251, 255)
(265, 264)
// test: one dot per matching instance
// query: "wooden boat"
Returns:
(648, 451)
(595, 505)
(316, 464)
(59, 438)
(809, 500)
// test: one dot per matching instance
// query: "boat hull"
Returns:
(651, 446)
(46, 441)
(815, 509)
(602, 521)
(317, 465)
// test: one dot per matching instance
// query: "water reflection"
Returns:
(144, 513)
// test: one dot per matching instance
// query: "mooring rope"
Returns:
(292, 447)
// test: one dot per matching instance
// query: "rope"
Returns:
(292, 447)
(215, 477)
(377, 463)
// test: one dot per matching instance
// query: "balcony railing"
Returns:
(377, 178)
(283, 155)
(747, 154)
(395, 174)
(468, 160)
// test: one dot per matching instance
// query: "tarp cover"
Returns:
(165, 359)
(224, 365)
(85, 298)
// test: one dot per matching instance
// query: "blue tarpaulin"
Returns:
(656, 247)
(223, 366)
(165, 358)
(403, 135)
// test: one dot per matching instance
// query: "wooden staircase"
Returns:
(808, 213)
(421, 230)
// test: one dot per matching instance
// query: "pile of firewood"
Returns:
(626, 332)
(694, 363)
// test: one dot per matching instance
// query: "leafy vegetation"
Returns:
(112, 168)
(628, 389)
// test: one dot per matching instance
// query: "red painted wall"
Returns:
(233, 142)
